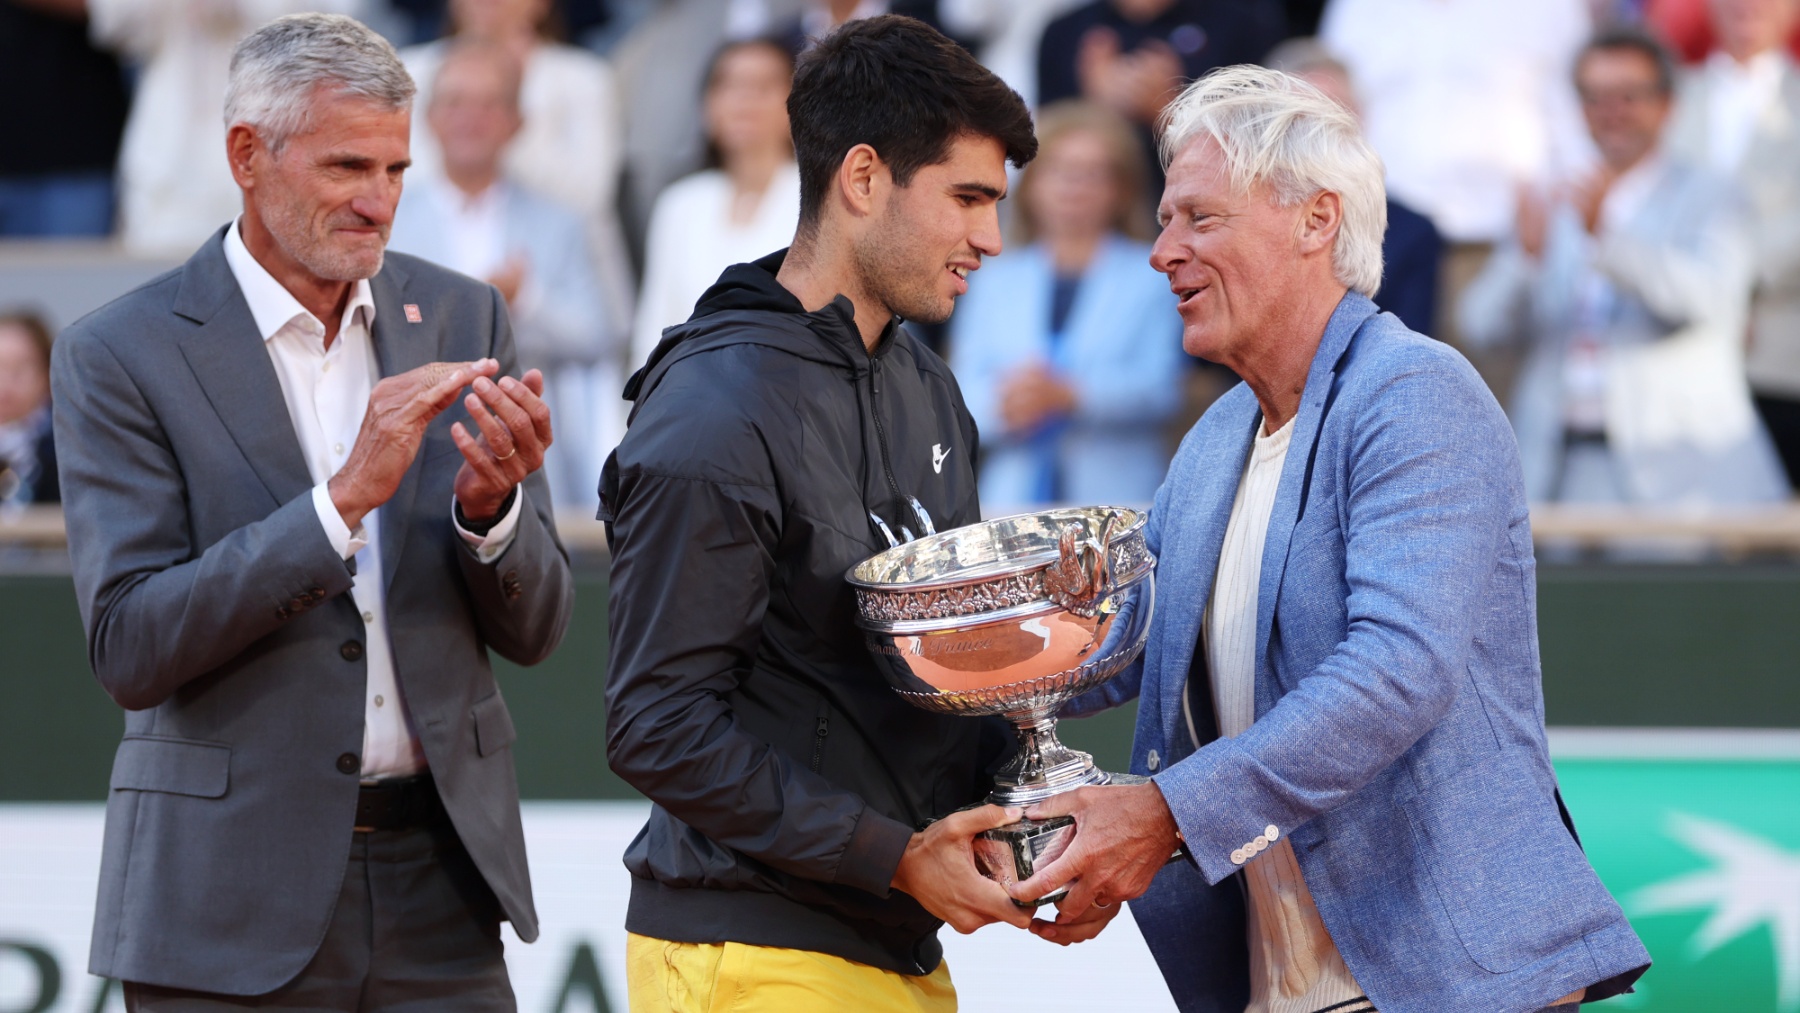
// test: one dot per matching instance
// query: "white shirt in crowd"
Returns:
(692, 240)
(1294, 965)
(1738, 96)
(327, 394)
(174, 186)
(1465, 100)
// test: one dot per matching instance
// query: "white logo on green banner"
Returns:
(1704, 856)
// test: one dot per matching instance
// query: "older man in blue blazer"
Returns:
(1341, 708)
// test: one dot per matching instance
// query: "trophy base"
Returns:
(1013, 853)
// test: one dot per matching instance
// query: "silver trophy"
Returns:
(1014, 616)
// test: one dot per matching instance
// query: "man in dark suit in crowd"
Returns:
(292, 566)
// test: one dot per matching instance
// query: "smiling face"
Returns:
(919, 249)
(328, 196)
(1623, 102)
(1232, 257)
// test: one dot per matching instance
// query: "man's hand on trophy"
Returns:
(1076, 926)
(1124, 834)
(938, 870)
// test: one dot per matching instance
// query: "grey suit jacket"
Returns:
(1771, 185)
(217, 615)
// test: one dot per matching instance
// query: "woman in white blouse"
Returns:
(743, 206)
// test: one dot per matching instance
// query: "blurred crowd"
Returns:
(1597, 200)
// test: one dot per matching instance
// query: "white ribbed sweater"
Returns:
(1294, 965)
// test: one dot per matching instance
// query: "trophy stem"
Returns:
(1043, 766)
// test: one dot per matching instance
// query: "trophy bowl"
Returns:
(1014, 616)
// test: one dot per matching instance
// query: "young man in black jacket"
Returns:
(776, 434)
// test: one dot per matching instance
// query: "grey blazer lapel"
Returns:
(1191, 543)
(230, 360)
(1290, 496)
(400, 345)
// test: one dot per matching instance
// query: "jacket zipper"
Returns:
(887, 467)
(823, 729)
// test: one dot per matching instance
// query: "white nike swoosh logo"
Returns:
(938, 453)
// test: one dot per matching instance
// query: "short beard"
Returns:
(883, 262)
(288, 225)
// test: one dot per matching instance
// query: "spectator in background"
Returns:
(1631, 291)
(1464, 100)
(56, 169)
(1686, 25)
(27, 451)
(471, 217)
(1067, 350)
(1010, 31)
(1133, 55)
(1412, 248)
(569, 147)
(173, 190)
(741, 207)
(1740, 114)
(663, 66)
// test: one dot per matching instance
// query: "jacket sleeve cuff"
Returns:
(1219, 836)
(873, 854)
(492, 542)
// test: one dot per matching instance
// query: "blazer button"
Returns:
(349, 763)
(298, 604)
(1272, 832)
(1153, 761)
(318, 594)
(352, 650)
(1238, 857)
(281, 613)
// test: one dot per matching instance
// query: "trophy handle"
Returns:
(1082, 572)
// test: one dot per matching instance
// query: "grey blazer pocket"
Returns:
(1514, 885)
(178, 766)
(493, 725)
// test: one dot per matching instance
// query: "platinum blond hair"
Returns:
(277, 71)
(1279, 131)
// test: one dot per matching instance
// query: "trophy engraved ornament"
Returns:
(1014, 616)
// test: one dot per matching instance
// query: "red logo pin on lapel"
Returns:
(412, 313)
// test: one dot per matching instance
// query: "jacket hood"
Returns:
(749, 294)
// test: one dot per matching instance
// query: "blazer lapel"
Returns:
(399, 346)
(1296, 471)
(231, 362)
(1192, 538)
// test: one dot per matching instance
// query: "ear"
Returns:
(863, 181)
(1320, 218)
(241, 147)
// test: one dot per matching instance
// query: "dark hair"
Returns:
(1633, 39)
(903, 88)
(34, 327)
(715, 159)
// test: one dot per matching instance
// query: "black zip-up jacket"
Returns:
(787, 776)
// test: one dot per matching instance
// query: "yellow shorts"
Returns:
(665, 977)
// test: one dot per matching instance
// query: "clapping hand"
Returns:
(393, 428)
(515, 432)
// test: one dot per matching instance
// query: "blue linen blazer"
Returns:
(1399, 736)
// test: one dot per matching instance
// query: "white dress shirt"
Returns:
(1738, 96)
(327, 394)
(1294, 965)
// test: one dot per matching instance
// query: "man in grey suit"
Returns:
(292, 565)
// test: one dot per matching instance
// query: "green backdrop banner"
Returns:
(1622, 646)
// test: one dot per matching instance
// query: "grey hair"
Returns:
(1280, 131)
(278, 69)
